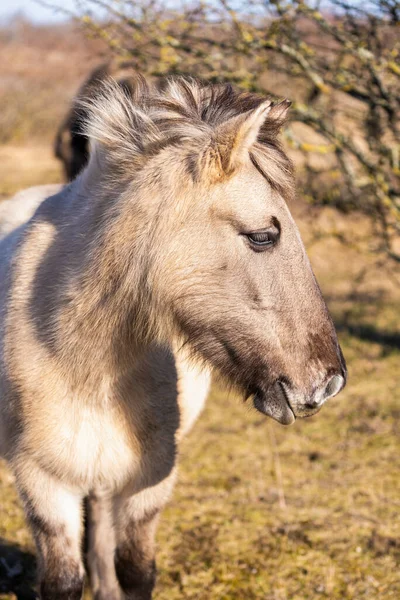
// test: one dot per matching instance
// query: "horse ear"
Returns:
(234, 138)
(277, 117)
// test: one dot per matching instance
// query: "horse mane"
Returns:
(137, 123)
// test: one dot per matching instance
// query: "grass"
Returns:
(266, 512)
(25, 166)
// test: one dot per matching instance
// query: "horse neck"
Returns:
(97, 269)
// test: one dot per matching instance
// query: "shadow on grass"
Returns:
(17, 571)
(369, 333)
(364, 306)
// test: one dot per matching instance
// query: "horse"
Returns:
(173, 254)
(71, 144)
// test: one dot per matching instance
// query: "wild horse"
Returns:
(173, 252)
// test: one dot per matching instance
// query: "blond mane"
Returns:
(137, 125)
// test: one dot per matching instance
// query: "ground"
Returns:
(262, 511)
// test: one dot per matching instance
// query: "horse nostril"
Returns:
(333, 387)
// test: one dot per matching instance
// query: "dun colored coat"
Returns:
(172, 253)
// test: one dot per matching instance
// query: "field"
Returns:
(260, 511)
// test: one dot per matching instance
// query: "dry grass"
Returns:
(36, 164)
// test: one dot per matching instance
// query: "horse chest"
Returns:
(89, 447)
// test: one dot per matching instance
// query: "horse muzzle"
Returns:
(284, 403)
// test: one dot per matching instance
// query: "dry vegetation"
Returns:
(260, 511)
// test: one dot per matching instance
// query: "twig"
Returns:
(277, 467)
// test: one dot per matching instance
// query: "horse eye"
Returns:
(262, 240)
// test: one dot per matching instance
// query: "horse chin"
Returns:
(304, 413)
(274, 404)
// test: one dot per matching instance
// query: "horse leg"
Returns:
(135, 558)
(101, 548)
(55, 517)
(136, 524)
